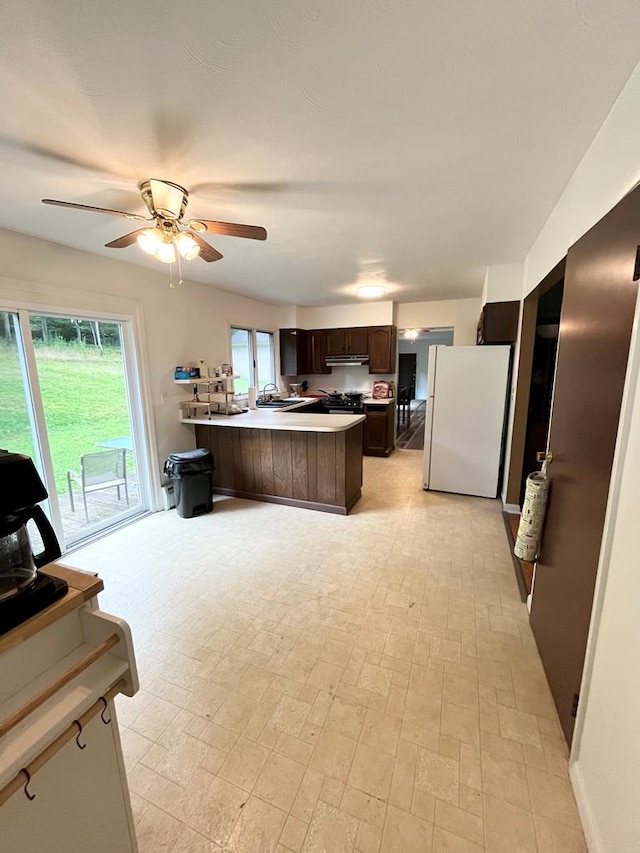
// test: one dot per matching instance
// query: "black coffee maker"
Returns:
(24, 590)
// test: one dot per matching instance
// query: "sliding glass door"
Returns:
(70, 408)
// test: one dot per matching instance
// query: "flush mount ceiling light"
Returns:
(370, 291)
(412, 334)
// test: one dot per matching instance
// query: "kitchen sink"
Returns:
(273, 404)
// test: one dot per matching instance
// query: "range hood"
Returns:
(345, 360)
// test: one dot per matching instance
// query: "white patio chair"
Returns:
(103, 470)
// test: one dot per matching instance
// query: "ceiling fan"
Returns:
(167, 203)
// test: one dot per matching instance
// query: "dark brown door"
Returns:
(595, 332)
(407, 362)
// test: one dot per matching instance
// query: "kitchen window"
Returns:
(253, 358)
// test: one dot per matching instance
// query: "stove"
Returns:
(343, 407)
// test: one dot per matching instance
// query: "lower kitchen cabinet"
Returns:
(379, 432)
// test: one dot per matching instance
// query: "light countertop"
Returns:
(281, 419)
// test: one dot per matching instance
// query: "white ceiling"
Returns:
(410, 140)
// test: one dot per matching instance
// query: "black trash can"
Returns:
(192, 482)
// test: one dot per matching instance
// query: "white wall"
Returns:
(502, 283)
(342, 316)
(178, 326)
(608, 171)
(606, 754)
(459, 314)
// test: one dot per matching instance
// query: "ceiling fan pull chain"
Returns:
(179, 270)
(171, 284)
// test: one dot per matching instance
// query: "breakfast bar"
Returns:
(286, 457)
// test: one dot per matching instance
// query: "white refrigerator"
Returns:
(465, 419)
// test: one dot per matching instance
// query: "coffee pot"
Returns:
(20, 490)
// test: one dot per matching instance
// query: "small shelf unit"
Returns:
(213, 402)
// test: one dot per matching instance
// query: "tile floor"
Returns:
(317, 683)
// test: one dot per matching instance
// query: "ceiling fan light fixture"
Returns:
(187, 246)
(196, 225)
(371, 291)
(149, 240)
(166, 254)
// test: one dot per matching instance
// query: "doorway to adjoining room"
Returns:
(413, 390)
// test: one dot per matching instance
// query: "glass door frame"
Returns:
(139, 410)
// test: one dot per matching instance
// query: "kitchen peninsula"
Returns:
(286, 456)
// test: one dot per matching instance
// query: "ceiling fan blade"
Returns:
(126, 240)
(229, 229)
(135, 216)
(207, 252)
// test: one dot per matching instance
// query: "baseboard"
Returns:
(591, 834)
(512, 509)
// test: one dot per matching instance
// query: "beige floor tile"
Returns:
(218, 811)
(445, 842)
(376, 679)
(345, 718)
(258, 635)
(180, 762)
(325, 676)
(333, 755)
(236, 711)
(505, 779)
(293, 834)
(460, 723)
(557, 838)
(518, 725)
(279, 781)
(552, 797)
(438, 775)
(134, 746)
(406, 833)
(332, 791)
(363, 806)
(244, 763)
(259, 827)
(457, 821)
(369, 838)
(156, 831)
(331, 831)
(191, 841)
(508, 829)
(308, 793)
(460, 691)
(380, 731)
(293, 748)
(290, 715)
(371, 771)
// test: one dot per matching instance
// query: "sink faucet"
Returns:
(270, 386)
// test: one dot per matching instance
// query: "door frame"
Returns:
(523, 382)
(137, 389)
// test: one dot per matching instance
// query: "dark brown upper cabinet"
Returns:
(293, 352)
(498, 323)
(357, 340)
(316, 351)
(382, 348)
(336, 341)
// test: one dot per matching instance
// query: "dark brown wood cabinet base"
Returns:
(316, 470)
(379, 429)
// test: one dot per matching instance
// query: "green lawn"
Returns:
(84, 399)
